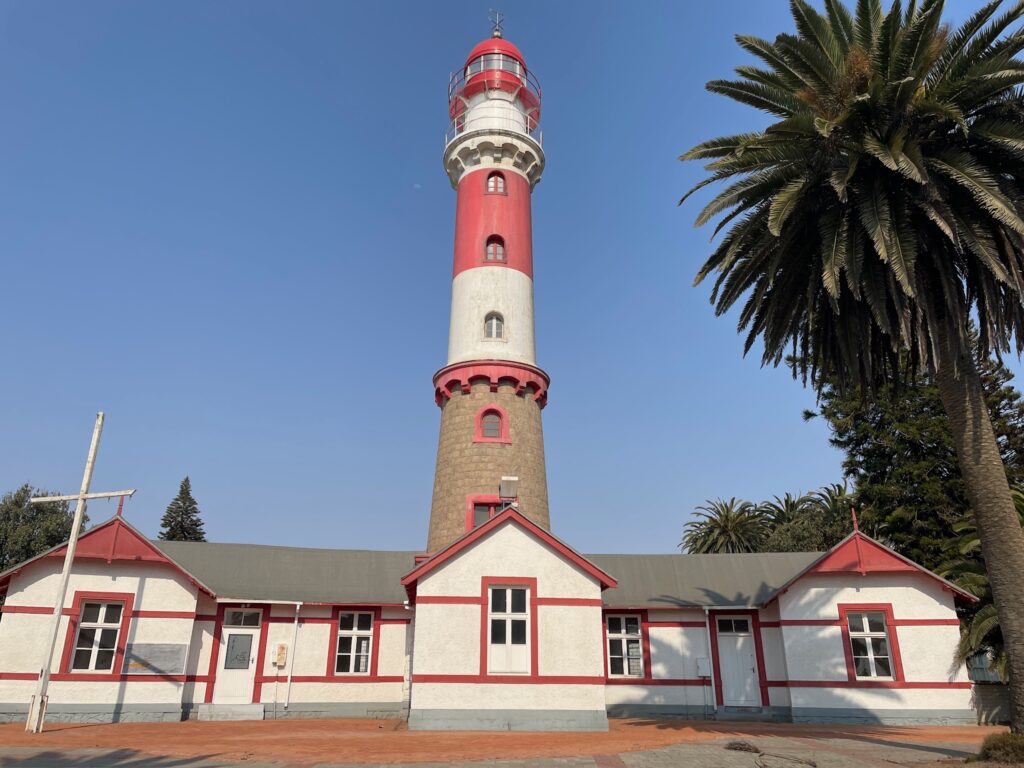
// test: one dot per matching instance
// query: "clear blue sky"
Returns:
(227, 225)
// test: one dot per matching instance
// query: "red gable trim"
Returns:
(515, 517)
(858, 553)
(111, 540)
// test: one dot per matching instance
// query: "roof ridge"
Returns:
(411, 552)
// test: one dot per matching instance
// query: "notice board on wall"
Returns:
(155, 658)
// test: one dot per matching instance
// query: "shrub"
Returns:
(742, 746)
(1003, 748)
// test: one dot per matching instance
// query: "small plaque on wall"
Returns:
(155, 658)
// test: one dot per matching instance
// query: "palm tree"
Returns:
(780, 511)
(835, 500)
(877, 215)
(979, 631)
(723, 527)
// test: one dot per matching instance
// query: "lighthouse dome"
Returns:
(496, 45)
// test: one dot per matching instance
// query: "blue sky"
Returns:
(227, 225)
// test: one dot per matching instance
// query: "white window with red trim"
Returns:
(625, 646)
(355, 643)
(869, 645)
(99, 626)
(508, 631)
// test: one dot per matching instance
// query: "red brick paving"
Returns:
(387, 741)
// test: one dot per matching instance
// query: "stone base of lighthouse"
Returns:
(470, 466)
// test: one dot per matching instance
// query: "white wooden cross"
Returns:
(37, 707)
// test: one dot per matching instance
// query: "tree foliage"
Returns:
(884, 204)
(980, 632)
(181, 521)
(821, 522)
(813, 522)
(902, 460)
(879, 214)
(27, 529)
(725, 527)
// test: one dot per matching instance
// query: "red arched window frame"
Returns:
(496, 183)
(484, 431)
(495, 249)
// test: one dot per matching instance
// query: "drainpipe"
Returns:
(291, 661)
(712, 652)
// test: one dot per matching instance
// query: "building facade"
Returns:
(497, 624)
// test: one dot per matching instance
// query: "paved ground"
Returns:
(362, 743)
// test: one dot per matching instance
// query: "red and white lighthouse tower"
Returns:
(490, 391)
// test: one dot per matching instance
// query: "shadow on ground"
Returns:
(121, 758)
(883, 736)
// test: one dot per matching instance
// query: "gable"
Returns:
(508, 551)
(510, 517)
(861, 555)
(113, 540)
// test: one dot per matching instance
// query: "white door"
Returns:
(236, 665)
(737, 662)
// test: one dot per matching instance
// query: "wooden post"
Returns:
(37, 707)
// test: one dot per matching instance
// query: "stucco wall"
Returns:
(23, 636)
(509, 551)
(569, 646)
(817, 652)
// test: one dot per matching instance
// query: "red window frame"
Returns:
(332, 650)
(530, 583)
(75, 613)
(645, 646)
(890, 633)
(491, 500)
(478, 425)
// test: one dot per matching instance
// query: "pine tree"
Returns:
(181, 521)
(901, 457)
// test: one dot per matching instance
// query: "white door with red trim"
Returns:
(236, 664)
(737, 661)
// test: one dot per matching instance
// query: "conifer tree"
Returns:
(181, 521)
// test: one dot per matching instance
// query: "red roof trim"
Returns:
(859, 553)
(113, 539)
(509, 516)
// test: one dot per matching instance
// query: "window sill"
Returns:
(499, 440)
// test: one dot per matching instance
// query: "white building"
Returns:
(498, 625)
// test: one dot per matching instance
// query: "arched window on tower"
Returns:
(494, 326)
(496, 183)
(495, 250)
(491, 425)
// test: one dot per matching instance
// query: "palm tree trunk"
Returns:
(1002, 540)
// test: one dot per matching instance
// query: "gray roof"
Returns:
(255, 572)
(663, 581)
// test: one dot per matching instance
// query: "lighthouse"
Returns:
(490, 453)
